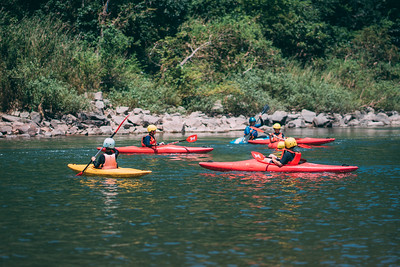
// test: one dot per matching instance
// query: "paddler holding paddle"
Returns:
(108, 160)
(277, 135)
(289, 156)
(150, 139)
(250, 133)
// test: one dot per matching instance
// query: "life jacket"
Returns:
(152, 141)
(278, 153)
(276, 138)
(110, 162)
(295, 160)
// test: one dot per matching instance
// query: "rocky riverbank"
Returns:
(103, 120)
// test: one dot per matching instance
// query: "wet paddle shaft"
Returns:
(79, 174)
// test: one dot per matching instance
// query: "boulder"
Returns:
(322, 120)
(394, 119)
(24, 115)
(122, 110)
(149, 119)
(279, 117)
(382, 117)
(69, 119)
(10, 118)
(99, 105)
(375, 124)
(308, 116)
(98, 96)
(173, 124)
(137, 111)
(136, 119)
(35, 117)
(6, 129)
(347, 118)
(354, 123)
(74, 130)
(297, 123)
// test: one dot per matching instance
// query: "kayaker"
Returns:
(107, 160)
(289, 156)
(150, 140)
(279, 149)
(277, 135)
(249, 133)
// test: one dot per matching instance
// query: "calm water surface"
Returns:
(184, 215)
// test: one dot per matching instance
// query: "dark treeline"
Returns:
(321, 55)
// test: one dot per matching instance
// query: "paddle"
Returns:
(264, 110)
(79, 174)
(299, 145)
(190, 139)
(258, 156)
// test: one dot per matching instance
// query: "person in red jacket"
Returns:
(289, 156)
(107, 160)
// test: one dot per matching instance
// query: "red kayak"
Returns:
(253, 165)
(304, 141)
(164, 149)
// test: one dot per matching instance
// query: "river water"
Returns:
(184, 215)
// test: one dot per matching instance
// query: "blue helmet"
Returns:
(252, 119)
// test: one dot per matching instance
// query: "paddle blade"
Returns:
(265, 109)
(257, 156)
(79, 174)
(192, 138)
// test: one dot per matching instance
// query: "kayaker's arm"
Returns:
(97, 163)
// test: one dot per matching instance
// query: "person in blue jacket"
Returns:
(249, 133)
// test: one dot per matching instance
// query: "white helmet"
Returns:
(109, 142)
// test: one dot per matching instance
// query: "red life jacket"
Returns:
(295, 160)
(276, 138)
(110, 162)
(152, 141)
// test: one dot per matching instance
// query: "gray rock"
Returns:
(99, 105)
(308, 116)
(292, 117)
(136, 119)
(322, 120)
(57, 132)
(354, 123)
(375, 124)
(279, 117)
(73, 130)
(69, 119)
(94, 131)
(382, 117)
(98, 96)
(297, 123)
(24, 114)
(35, 117)
(394, 119)
(6, 129)
(149, 119)
(137, 111)
(122, 110)
(347, 118)
(10, 118)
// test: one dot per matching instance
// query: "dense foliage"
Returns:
(334, 55)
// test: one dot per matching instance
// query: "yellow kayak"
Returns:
(117, 173)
